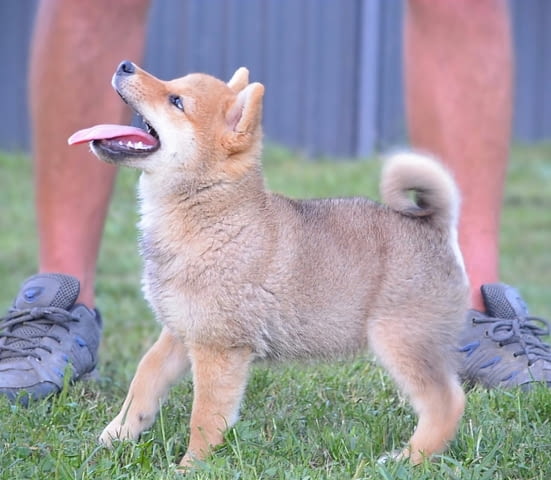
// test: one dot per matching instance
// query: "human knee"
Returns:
(440, 12)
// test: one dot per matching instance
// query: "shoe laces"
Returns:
(524, 331)
(22, 331)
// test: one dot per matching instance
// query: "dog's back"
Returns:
(339, 261)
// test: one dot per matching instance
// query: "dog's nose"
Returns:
(126, 67)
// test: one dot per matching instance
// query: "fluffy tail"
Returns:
(418, 186)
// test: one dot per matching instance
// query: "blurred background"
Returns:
(332, 69)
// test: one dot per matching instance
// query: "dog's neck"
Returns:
(197, 203)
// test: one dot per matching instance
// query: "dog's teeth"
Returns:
(129, 144)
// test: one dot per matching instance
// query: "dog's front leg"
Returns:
(164, 364)
(219, 381)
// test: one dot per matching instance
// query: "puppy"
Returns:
(235, 273)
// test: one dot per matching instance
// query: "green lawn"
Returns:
(298, 421)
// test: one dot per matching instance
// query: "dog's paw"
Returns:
(117, 431)
(394, 456)
(405, 454)
(189, 462)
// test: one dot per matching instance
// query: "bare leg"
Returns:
(162, 366)
(219, 381)
(76, 48)
(458, 74)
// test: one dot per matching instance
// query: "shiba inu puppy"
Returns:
(235, 273)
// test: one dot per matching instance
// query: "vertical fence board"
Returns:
(368, 99)
(525, 28)
(390, 120)
(545, 73)
(16, 19)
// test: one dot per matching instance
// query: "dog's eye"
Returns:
(177, 102)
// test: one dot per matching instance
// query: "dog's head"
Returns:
(196, 123)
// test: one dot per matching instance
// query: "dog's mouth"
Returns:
(119, 140)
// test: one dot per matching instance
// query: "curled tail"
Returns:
(417, 185)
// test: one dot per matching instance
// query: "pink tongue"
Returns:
(106, 132)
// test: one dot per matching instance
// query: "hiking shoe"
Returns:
(46, 336)
(503, 347)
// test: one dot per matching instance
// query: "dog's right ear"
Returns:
(243, 118)
(239, 80)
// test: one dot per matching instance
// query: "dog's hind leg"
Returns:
(162, 366)
(219, 381)
(423, 366)
(439, 408)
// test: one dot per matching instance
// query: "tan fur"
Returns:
(235, 273)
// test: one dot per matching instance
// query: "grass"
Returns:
(298, 421)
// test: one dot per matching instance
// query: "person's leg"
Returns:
(75, 50)
(458, 81)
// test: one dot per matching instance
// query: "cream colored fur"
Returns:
(235, 273)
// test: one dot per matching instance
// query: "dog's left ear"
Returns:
(243, 118)
(239, 80)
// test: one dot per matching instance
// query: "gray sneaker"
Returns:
(503, 347)
(46, 336)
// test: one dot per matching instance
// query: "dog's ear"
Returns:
(239, 80)
(243, 118)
